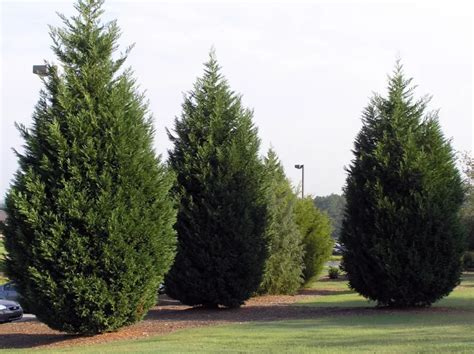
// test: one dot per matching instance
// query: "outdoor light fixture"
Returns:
(301, 167)
(40, 70)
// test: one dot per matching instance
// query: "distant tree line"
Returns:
(467, 209)
(333, 205)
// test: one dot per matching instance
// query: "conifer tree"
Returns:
(401, 232)
(467, 209)
(90, 227)
(315, 228)
(284, 266)
(221, 218)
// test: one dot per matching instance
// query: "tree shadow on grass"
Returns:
(323, 292)
(341, 279)
(29, 340)
(170, 316)
(246, 313)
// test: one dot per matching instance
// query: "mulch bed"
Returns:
(170, 316)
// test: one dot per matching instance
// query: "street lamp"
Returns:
(40, 70)
(301, 167)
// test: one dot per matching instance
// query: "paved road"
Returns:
(27, 317)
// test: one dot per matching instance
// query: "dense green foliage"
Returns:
(315, 228)
(222, 213)
(90, 228)
(284, 266)
(467, 209)
(401, 229)
(333, 205)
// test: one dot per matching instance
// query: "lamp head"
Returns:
(40, 70)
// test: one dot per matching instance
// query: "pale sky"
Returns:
(307, 69)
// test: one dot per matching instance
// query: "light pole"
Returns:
(301, 167)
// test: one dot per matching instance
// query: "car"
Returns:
(161, 289)
(10, 311)
(338, 249)
(8, 292)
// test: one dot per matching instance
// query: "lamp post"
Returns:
(301, 167)
(40, 70)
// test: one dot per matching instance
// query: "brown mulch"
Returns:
(170, 316)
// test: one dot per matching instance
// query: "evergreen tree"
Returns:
(90, 227)
(401, 229)
(221, 218)
(315, 227)
(284, 266)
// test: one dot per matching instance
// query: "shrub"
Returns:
(402, 236)
(334, 272)
(315, 227)
(89, 232)
(283, 272)
(468, 261)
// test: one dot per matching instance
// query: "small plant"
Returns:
(334, 272)
(315, 226)
(468, 261)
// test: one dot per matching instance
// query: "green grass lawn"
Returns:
(346, 328)
(374, 333)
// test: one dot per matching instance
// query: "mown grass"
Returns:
(338, 294)
(376, 333)
(347, 328)
(335, 258)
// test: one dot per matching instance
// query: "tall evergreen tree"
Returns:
(90, 227)
(315, 227)
(284, 266)
(401, 229)
(221, 218)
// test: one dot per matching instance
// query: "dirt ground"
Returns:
(167, 317)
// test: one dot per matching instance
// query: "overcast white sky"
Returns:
(307, 69)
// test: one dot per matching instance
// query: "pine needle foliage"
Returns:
(90, 227)
(222, 212)
(284, 265)
(401, 229)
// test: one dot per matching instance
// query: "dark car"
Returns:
(10, 311)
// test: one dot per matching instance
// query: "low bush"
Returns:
(334, 272)
(468, 261)
(315, 226)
